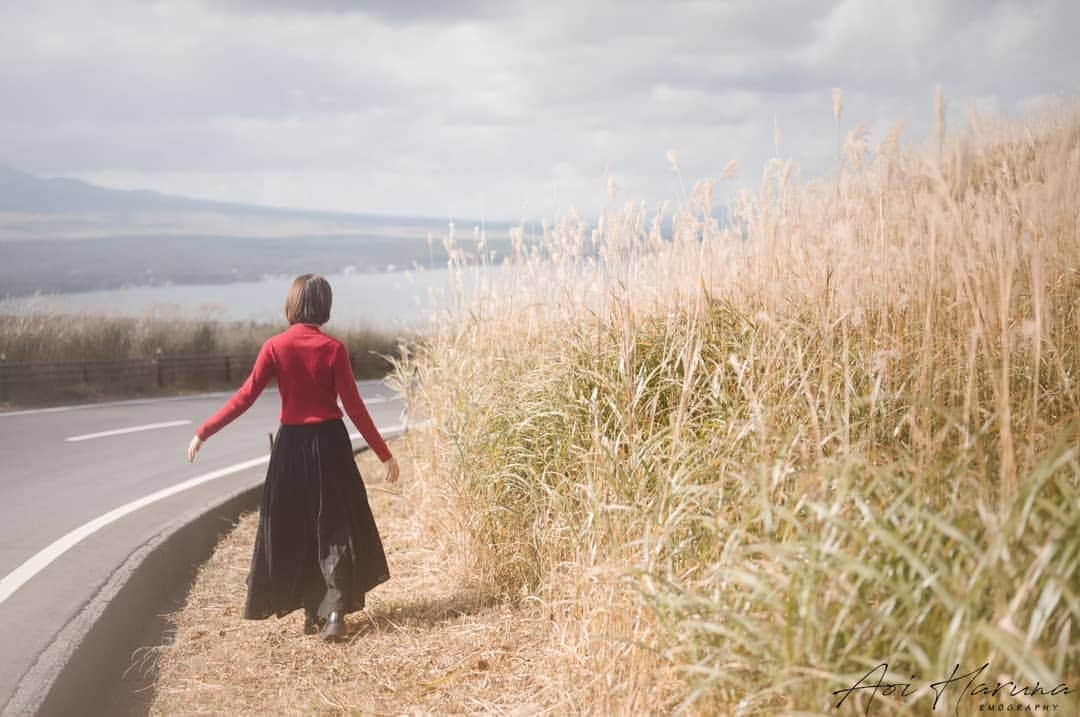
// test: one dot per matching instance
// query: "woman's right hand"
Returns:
(193, 448)
(392, 470)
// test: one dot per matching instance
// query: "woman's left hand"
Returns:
(193, 448)
(392, 470)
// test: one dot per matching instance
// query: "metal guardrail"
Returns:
(33, 382)
(30, 381)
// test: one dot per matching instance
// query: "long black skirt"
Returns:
(316, 546)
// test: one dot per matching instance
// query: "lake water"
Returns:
(384, 300)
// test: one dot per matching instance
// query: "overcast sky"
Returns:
(469, 109)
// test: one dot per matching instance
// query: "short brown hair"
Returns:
(309, 300)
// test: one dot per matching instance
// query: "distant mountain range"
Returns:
(67, 235)
(26, 193)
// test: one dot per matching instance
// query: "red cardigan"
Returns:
(312, 370)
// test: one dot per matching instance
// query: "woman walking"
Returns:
(317, 546)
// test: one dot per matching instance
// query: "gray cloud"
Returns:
(449, 108)
(391, 11)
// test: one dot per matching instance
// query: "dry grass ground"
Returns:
(428, 642)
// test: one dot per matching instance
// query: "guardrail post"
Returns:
(228, 369)
(160, 373)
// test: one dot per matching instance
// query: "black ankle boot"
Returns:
(334, 628)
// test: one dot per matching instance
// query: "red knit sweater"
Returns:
(312, 370)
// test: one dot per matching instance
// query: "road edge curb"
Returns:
(94, 648)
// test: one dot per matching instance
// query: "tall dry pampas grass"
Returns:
(745, 463)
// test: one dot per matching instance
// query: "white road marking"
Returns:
(396, 428)
(132, 429)
(125, 402)
(41, 559)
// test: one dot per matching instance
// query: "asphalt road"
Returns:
(51, 485)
